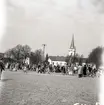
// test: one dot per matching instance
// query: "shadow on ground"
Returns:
(5, 80)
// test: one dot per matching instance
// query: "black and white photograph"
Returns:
(51, 52)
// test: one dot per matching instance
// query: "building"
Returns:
(57, 60)
(72, 49)
(61, 59)
(27, 61)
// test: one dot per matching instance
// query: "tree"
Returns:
(95, 56)
(67, 59)
(36, 57)
(19, 52)
(8, 53)
(46, 59)
(72, 59)
(26, 50)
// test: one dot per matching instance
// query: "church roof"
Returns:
(72, 46)
(57, 58)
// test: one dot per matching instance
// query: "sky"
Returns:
(53, 22)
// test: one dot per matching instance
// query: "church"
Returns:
(72, 49)
(60, 60)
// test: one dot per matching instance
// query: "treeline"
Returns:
(21, 52)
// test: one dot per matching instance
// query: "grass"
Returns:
(36, 89)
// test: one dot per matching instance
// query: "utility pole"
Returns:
(44, 45)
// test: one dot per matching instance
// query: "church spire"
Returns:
(72, 43)
(72, 49)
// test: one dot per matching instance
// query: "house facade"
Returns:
(57, 60)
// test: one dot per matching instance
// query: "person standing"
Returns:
(80, 71)
(2, 67)
(84, 70)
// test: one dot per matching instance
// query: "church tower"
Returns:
(72, 49)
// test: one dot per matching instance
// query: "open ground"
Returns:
(18, 88)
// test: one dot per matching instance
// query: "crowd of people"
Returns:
(73, 69)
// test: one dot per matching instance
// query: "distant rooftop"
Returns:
(57, 58)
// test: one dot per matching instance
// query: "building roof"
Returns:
(57, 58)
